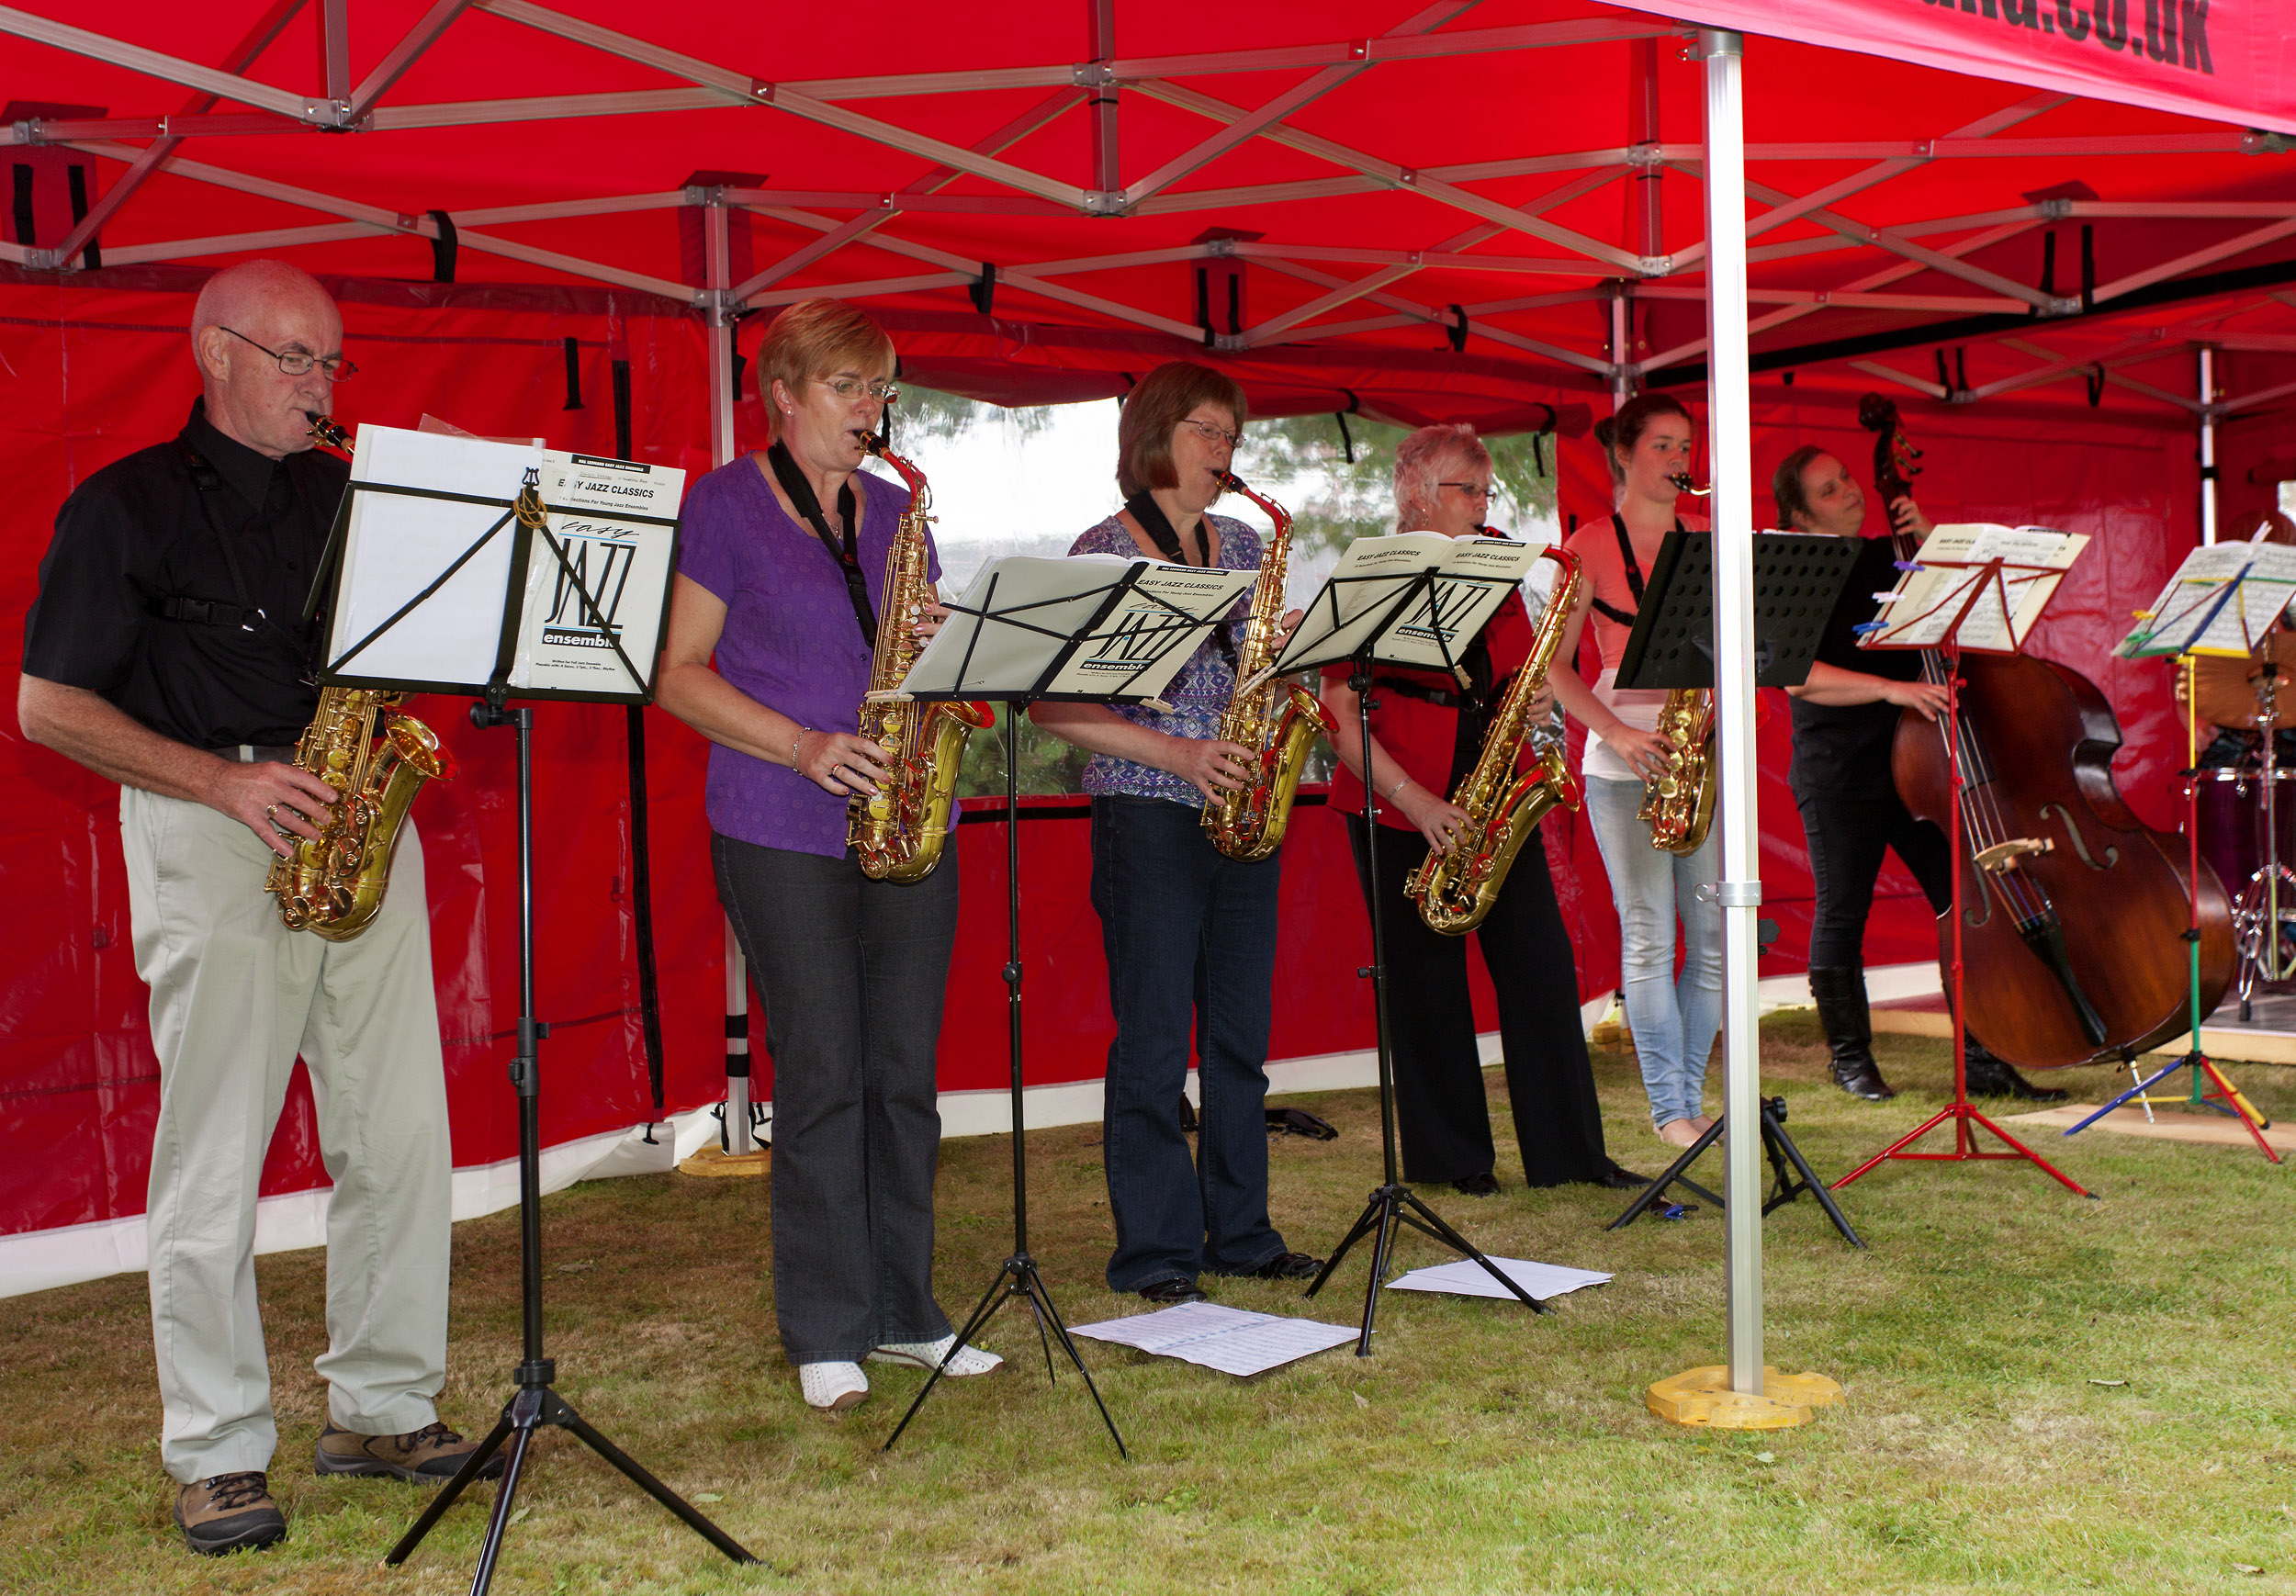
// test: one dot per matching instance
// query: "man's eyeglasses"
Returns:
(849, 388)
(1477, 491)
(1213, 434)
(296, 362)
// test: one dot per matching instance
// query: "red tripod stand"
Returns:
(1965, 1115)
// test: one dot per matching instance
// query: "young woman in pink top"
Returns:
(1675, 1020)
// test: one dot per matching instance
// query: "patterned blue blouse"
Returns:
(1199, 694)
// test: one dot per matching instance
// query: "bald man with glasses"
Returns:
(167, 652)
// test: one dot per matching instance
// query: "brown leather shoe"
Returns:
(430, 1455)
(228, 1513)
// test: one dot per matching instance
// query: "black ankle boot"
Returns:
(1990, 1075)
(1839, 995)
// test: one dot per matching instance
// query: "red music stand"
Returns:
(1963, 1115)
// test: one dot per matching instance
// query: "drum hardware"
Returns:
(2264, 914)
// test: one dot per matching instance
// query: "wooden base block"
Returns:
(714, 1161)
(1703, 1396)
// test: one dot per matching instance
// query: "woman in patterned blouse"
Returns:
(1189, 933)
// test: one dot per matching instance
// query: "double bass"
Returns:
(2076, 915)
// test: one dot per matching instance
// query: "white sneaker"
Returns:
(927, 1355)
(833, 1387)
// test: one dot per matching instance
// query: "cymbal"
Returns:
(2224, 690)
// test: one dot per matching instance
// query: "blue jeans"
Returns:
(1190, 937)
(1675, 1020)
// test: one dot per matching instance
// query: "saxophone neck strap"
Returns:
(1634, 570)
(247, 615)
(1143, 508)
(802, 496)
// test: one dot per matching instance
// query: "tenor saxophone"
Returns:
(1277, 719)
(1678, 803)
(900, 829)
(1455, 889)
(375, 759)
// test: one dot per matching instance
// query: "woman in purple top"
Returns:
(780, 574)
(1189, 933)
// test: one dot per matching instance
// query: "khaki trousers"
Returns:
(235, 997)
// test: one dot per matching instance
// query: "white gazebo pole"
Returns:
(717, 279)
(2208, 444)
(1736, 1395)
(1730, 430)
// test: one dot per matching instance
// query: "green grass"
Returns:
(1481, 1450)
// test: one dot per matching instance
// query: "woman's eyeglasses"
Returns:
(849, 388)
(1210, 434)
(1479, 492)
(296, 362)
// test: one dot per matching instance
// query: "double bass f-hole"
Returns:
(2080, 844)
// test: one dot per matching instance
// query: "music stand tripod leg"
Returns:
(1675, 1175)
(1781, 1145)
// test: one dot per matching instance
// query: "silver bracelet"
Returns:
(1398, 788)
(792, 747)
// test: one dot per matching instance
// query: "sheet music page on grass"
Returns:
(1468, 1278)
(1231, 1339)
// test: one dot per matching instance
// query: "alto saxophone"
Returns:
(1678, 803)
(1277, 719)
(1455, 889)
(900, 829)
(376, 760)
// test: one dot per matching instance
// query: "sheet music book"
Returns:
(1228, 1339)
(1954, 582)
(432, 511)
(2221, 600)
(1091, 627)
(1473, 577)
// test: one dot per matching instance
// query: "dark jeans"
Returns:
(1190, 937)
(1444, 1116)
(1847, 836)
(851, 972)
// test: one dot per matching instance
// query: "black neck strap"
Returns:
(1143, 508)
(1634, 570)
(252, 617)
(800, 495)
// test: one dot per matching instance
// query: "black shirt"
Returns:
(137, 600)
(1842, 750)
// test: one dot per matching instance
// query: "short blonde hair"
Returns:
(814, 338)
(1419, 461)
(1155, 410)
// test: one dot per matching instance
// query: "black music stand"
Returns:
(536, 1405)
(1064, 631)
(1411, 606)
(1797, 582)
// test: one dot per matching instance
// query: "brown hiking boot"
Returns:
(430, 1455)
(228, 1513)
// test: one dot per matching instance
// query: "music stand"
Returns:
(2221, 605)
(1028, 631)
(1797, 583)
(557, 632)
(1982, 596)
(1399, 601)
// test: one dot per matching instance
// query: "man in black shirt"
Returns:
(1845, 721)
(167, 652)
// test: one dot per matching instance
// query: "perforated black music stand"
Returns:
(1798, 578)
(1113, 631)
(1449, 610)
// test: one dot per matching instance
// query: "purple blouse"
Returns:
(791, 641)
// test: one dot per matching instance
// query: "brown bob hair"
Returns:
(1151, 411)
(1786, 485)
(817, 338)
(1624, 429)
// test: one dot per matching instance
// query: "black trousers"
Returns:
(1847, 837)
(1444, 1116)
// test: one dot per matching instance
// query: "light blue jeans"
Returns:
(1675, 1020)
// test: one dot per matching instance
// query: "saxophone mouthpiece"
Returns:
(1683, 483)
(328, 431)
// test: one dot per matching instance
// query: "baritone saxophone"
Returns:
(900, 829)
(1455, 889)
(1277, 719)
(375, 759)
(1678, 803)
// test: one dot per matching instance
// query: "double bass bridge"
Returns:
(2003, 856)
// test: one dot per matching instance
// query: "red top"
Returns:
(1419, 736)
